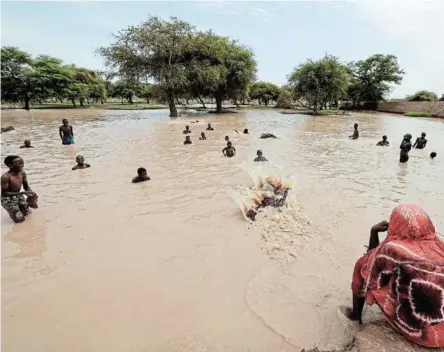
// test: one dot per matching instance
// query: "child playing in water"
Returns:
(202, 137)
(229, 151)
(209, 128)
(227, 138)
(420, 141)
(246, 131)
(141, 175)
(187, 140)
(405, 147)
(80, 163)
(259, 156)
(186, 130)
(355, 134)
(384, 142)
(27, 144)
(433, 155)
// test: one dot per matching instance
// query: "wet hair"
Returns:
(227, 138)
(140, 170)
(355, 125)
(259, 151)
(9, 160)
(408, 136)
(27, 141)
(187, 126)
(187, 137)
(433, 155)
(80, 156)
(423, 134)
(229, 143)
(64, 120)
(246, 131)
(384, 137)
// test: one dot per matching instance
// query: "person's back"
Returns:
(433, 155)
(420, 142)
(405, 147)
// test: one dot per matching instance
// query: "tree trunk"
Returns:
(218, 104)
(101, 101)
(130, 99)
(73, 103)
(147, 101)
(87, 100)
(26, 103)
(171, 105)
(201, 101)
(266, 102)
(122, 101)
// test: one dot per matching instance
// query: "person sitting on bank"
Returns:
(245, 131)
(229, 151)
(210, 128)
(433, 155)
(186, 130)
(12, 198)
(80, 163)
(202, 137)
(187, 140)
(66, 133)
(141, 175)
(384, 142)
(27, 144)
(259, 156)
(404, 276)
(405, 147)
(355, 134)
(420, 141)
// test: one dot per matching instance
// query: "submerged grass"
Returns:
(417, 114)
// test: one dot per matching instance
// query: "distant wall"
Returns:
(436, 108)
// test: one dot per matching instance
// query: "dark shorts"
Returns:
(68, 140)
(16, 206)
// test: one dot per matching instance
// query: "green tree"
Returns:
(371, 78)
(422, 95)
(264, 92)
(317, 83)
(125, 91)
(153, 49)
(145, 91)
(284, 100)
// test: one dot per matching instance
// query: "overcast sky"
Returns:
(281, 34)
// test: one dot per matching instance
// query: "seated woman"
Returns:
(404, 275)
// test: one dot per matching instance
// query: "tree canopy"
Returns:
(422, 95)
(264, 92)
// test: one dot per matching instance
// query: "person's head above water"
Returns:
(433, 155)
(384, 138)
(141, 171)
(80, 159)
(355, 126)
(407, 137)
(246, 131)
(14, 162)
(229, 144)
(187, 127)
(227, 138)
(423, 134)
(188, 138)
(65, 122)
(27, 143)
(202, 134)
(259, 153)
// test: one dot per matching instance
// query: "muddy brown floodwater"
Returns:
(171, 264)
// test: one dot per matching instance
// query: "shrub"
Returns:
(417, 114)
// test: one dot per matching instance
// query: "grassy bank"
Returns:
(309, 112)
(417, 114)
(106, 106)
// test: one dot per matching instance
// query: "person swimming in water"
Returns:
(259, 156)
(80, 163)
(420, 141)
(433, 155)
(66, 133)
(210, 128)
(141, 176)
(384, 142)
(27, 144)
(186, 130)
(355, 134)
(245, 131)
(202, 137)
(229, 151)
(12, 198)
(187, 140)
(405, 147)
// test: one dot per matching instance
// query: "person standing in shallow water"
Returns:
(229, 151)
(12, 181)
(259, 156)
(141, 175)
(27, 144)
(66, 133)
(405, 147)
(420, 142)
(384, 142)
(355, 134)
(80, 163)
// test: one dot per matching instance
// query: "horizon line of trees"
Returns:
(170, 60)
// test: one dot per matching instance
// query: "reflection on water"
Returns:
(104, 264)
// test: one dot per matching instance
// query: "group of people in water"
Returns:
(229, 151)
(405, 147)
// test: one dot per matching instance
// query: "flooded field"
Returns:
(171, 264)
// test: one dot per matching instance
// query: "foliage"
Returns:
(442, 98)
(371, 78)
(145, 91)
(422, 95)
(284, 100)
(318, 83)
(264, 92)
(417, 114)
